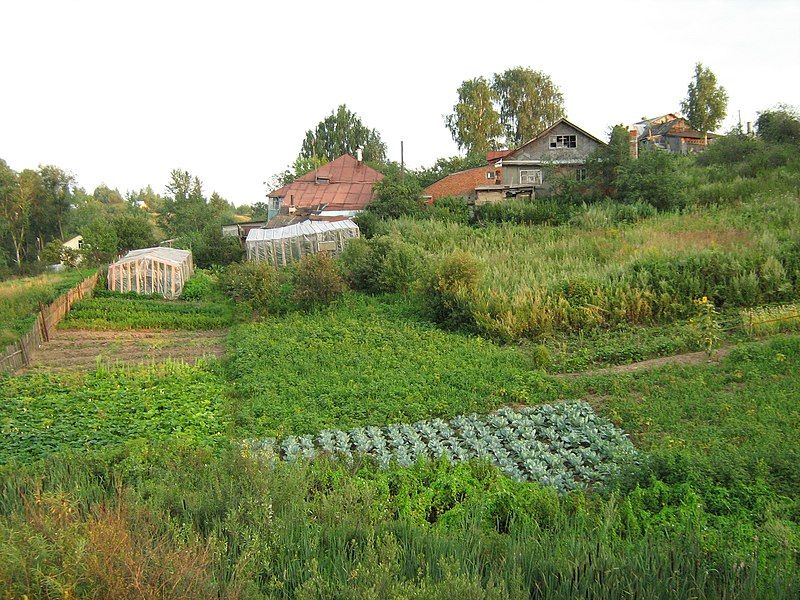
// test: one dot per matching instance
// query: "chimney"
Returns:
(749, 128)
(359, 155)
(633, 142)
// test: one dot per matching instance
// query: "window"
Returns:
(563, 141)
(530, 176)
(80, 244)
(276, 204)
(323, 180)
(489, 174)
(580, 174)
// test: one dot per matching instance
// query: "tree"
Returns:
(184, 209)
(52, 203)
(396, 197)
(445, 166)
(15, 205)
(300, 167)
(260, 211)
(606, 163)
(529, 102)
(133, 230)
(474, 122)
(102, 193)
(342, 133)
(779, 125)
(706, 102)
(99, 241)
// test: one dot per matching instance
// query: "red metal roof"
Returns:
(460, 183)
(349, 186)
(495, 155)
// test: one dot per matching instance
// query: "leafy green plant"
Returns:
(317, 281)
(706, 324)
(119, 312)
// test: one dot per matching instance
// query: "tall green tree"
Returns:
(15, 205)
(52, 204)
(779, 125)
(706, 102)
(184, 208)
(342, 132)
(607, 162)
(529, 102)
(475, 122)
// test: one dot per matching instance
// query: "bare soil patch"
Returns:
(77, 349)
(688, 358)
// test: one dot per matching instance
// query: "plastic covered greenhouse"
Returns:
(283, 245)
(151, 271)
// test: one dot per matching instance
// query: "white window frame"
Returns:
(530, 177)
(490, 175)
(563, 142)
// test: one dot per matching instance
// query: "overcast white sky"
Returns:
(123, 92)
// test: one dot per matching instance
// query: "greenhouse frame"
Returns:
(161, 271)
(283, 245)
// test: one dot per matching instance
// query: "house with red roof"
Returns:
(342, 187)
(470, 182)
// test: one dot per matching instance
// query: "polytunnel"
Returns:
(283, 245)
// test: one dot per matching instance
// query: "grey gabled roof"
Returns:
(169, 255)
(541, 134)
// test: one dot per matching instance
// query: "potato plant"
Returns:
(565, 445)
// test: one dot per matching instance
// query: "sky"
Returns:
(121, 93)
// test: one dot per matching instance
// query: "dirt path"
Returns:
(77, 349)
(689, 358)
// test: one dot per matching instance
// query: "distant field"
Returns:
(20, 298)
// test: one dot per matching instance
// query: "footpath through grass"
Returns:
(20, 298)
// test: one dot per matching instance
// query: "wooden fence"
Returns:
(18, 354)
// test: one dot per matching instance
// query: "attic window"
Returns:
(563, 141)
(321, 180)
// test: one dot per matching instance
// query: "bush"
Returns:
(317, 281)
(201, 286)
(449, 289)
(210, 248)
(655, 178)
(450, 209)
(382, 264)
(545, 211)
(395, 197)
(256, 283)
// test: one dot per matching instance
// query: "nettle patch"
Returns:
(565, 445)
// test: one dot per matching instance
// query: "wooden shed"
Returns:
(159, 270)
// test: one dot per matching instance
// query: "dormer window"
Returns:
(563, 141)
(323, 180)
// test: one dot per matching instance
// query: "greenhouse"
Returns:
(160, 271)
(283, 245)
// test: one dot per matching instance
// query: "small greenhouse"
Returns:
(151, 271)
(283, 245)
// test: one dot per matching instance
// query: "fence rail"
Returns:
(18, 354)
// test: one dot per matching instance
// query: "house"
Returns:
(71, 250)
(342, 187)
(670, 132)
(561, 150)
(464, 183)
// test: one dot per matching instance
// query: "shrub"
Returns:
(317, 280)
(655, 178)
(255, 283)
(449, 288)
(383, 264)
(396, 197)
(524, 212)
(449, 208)
(200, 286)
(609, 213)
(209, 247)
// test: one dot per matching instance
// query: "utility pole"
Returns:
(402, 162)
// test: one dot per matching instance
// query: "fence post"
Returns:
(45, 332)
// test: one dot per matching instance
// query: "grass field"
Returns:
(711, 511)
(20, 298)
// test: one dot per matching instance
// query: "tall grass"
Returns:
(20, 298)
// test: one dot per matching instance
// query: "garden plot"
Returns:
(82, 350)
(565, 445)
